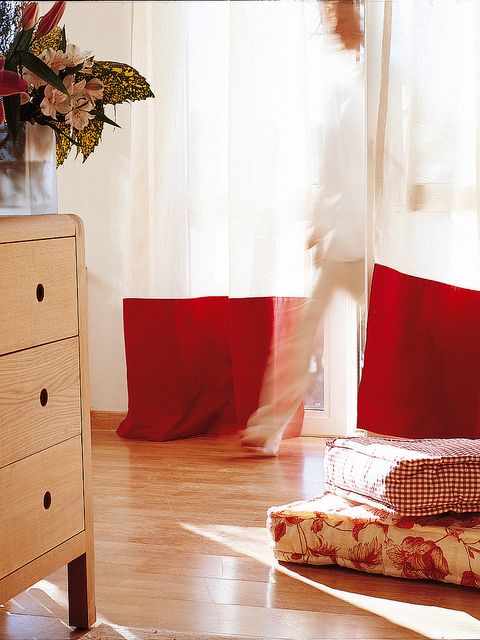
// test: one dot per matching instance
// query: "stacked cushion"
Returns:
(406, 477)
(403, 508)
(330, 529)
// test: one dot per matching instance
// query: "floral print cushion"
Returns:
(330, 529)
(407, 477)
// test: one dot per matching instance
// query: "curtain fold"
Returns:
(421, 375)
(224, 178)
(196, 365)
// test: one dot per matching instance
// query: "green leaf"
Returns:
(101, 116)
(11, 105)
(40, 69)
(25, 39)
(49, 40)
(63, 41)
(121, 82)
(11, 64)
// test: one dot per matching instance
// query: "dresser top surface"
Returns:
(38, 227)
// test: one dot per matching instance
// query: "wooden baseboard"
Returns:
(106, 420)
(372, 434)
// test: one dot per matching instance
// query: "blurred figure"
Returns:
(338, 239)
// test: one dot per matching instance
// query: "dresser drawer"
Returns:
(39, 399)
(41, 503)
(38, 293)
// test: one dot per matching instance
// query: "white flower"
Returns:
(74, 56)
(68, 82)
(79, 117)
(54, 59)
(54, 102)
(78, 89)
(87, 65)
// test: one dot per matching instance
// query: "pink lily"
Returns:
(50, 20)
(10, 84)
(30, 15)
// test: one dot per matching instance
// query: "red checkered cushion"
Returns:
(406, 477)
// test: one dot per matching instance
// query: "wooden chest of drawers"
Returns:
(45, 460)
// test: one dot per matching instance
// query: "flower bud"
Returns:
(30, 15)
(51, 19)
(94, 88)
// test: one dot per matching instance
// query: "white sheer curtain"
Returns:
(428, 141)
(421, 377)
(225, 160)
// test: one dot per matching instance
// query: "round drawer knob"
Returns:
(40, 292)
(43, 397)
(47, 500)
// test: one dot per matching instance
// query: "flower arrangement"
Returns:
(47, 80)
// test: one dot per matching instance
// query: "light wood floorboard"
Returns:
(181, 544)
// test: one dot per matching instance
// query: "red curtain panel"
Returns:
(196, 366)
(421, 377)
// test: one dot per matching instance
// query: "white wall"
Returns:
(95, 191)
(374, 30)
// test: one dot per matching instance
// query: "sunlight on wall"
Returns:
(431, 622)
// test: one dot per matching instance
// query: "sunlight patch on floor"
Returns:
(59, 595)
(56, 593)
(432, 622)
(123, 631)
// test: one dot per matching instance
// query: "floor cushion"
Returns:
(406, 477)
(330, 529)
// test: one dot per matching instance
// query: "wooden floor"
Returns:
(181, 544)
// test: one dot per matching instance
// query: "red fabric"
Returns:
(252, 323)
(418, 477)
(421, 377)
(178, 367)
(196, 365)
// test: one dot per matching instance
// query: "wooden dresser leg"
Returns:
(81, 593)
